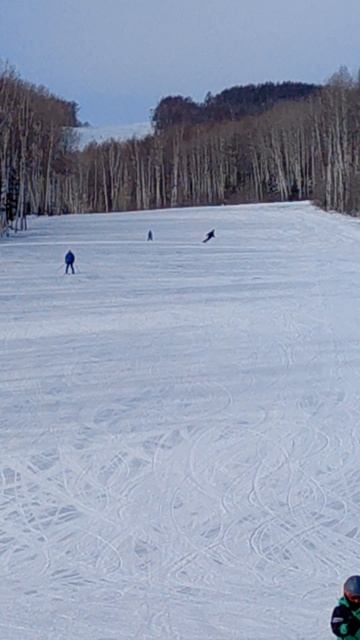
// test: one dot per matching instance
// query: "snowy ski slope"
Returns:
(179, 425)
(119, 132)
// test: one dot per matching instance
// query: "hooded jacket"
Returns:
(69, 258)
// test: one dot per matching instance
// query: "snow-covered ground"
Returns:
(86, 135)
(179, 425)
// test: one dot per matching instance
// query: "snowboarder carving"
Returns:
(209, 235)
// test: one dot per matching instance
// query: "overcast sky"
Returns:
(117, 58)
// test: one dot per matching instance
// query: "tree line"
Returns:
(228, 105)
(34, 148)
(302, 148)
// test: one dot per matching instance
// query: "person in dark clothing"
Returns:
(69, 261)
(209, 235)
(345, 619)
(150, 235)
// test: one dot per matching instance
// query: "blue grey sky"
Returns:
(117, 58)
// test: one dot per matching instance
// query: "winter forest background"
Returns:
(270, 142)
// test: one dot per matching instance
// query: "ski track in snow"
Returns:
(179, 425)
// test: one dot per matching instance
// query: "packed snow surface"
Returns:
(180, 425)
(119, 132)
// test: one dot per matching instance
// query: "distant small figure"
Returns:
(150, 235)
(209, 235)
(69, 261)
(345, 619)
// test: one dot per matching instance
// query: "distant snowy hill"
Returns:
(108, 132)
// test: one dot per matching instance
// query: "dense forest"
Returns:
(229, 105)
(34, 151)
(270, 142)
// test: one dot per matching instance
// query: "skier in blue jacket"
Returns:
(69, 261)
(345, 619)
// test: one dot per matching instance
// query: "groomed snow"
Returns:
(180, 425)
